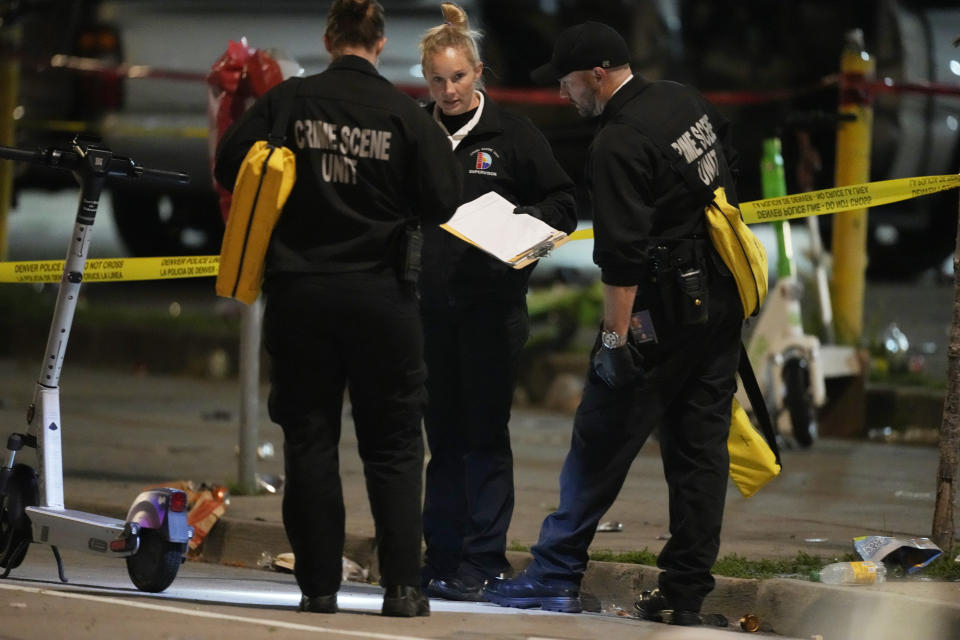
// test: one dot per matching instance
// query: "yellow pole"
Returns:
(852, 167)
(9, 95)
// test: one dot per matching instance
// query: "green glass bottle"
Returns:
(774, 184)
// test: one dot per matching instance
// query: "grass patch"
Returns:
(630, 557)
(800, 566)
(944, 567)
(905, 378)
(29, 306)
(159, 319)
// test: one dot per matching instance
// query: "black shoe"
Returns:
(653, 605)
(402, 601)
(525, 592)
(319, 604)
(464, 589)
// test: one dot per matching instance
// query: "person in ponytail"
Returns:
(341, 302)
(352, 23)
(475, 317)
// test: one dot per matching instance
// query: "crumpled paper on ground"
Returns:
(352, 571)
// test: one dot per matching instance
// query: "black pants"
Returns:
(472, 355)
(362, 331)
(687, 395)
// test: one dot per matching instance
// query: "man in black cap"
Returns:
(667, 354)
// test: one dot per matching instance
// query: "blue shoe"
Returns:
(524, 592)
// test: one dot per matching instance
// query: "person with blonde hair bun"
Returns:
(475, 317)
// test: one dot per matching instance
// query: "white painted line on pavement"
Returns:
(357, 602)
(208, 614)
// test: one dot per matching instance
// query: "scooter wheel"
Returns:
(803, 418)
(22, 491)
(155, 564)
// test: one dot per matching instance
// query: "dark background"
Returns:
(750, 45)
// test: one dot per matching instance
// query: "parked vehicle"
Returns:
(736, 51)
(750, 45)
(157, 110)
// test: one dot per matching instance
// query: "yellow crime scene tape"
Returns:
(113, 269)
(835, 200)
(800, 205)
(855, 196)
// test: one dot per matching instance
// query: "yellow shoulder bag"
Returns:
(740, 250)
(754, 455)
(263, 184)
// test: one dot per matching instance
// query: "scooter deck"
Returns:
(72, 529)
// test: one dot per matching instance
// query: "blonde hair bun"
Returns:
(454, 32)
(454, 16)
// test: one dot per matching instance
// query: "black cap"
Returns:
(580, 47)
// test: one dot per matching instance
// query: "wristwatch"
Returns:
(612, 339)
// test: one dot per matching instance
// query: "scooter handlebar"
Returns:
(72, 159)
(162, 174)
(21, 155)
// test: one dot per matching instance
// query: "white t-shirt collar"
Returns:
(462, 132)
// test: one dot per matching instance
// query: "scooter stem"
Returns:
(92, 174)
(72, 277)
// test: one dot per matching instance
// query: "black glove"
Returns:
(530, 211)
(619, 367)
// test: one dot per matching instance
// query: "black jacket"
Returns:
(505, 153)
(660, 152)
(370, 164)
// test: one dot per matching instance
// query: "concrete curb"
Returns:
(795, 608)
(244, 542)
(802, 609)
(791, 607)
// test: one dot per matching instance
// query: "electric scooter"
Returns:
(792, 365)
(786, 359)
(153, 538)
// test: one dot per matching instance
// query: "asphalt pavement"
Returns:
(124, 430)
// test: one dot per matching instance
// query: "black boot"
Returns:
(653, 605)
(463, 588)
(403, 601)
(319, 604)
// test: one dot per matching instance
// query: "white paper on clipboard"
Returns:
(488, 222)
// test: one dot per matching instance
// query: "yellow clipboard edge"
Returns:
(449, 229)
(520, 260)
(540, 250)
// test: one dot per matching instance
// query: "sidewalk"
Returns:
(123, 432)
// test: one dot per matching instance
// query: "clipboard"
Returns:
(488, 223)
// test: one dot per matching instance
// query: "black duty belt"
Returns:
(670, 254)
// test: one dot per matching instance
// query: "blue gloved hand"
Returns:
(619, 367)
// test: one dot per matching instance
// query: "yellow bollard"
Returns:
(853, 167)
(9, 95)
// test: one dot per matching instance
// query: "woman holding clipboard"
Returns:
(475, 318)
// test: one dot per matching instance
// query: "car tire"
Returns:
(152, 223)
